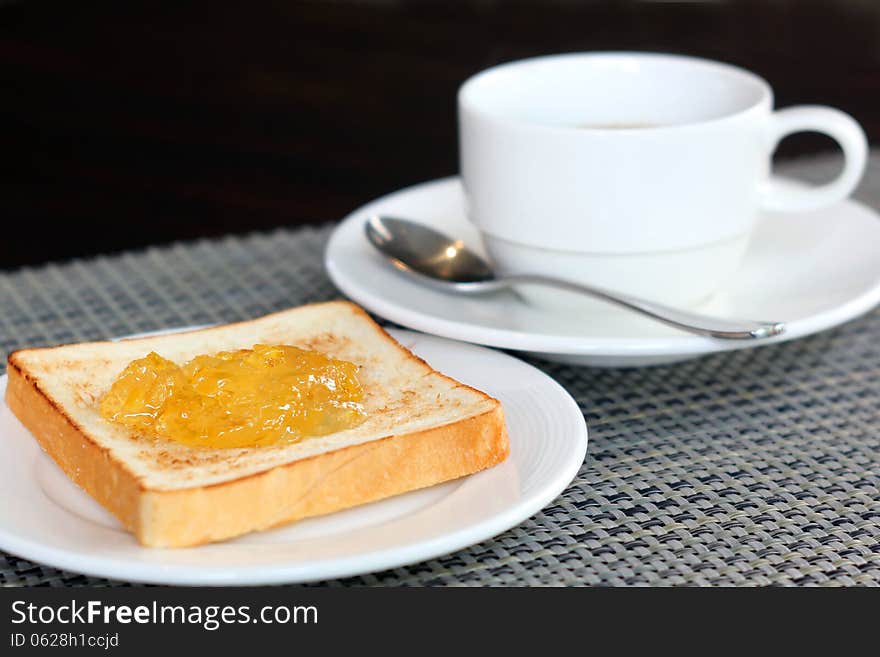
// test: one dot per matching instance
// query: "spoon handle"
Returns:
(728, 329)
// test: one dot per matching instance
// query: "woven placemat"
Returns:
(751, 467)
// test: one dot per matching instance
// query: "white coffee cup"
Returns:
(638, 172)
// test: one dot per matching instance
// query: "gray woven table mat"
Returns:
(753, 467)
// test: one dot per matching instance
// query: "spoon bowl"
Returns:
(420, 249)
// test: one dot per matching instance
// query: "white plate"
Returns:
(47, 519)
(813, 270)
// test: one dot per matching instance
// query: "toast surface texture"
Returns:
(422, 428)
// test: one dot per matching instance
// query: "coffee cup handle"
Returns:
(829, 121)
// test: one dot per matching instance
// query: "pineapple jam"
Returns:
(266, 395)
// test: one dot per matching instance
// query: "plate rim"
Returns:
(284, 573)
(678, 345)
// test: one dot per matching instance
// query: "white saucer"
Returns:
(813, 270)
(45, 518)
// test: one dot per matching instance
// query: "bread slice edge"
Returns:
(318, 485)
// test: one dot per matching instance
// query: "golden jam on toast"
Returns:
(244, 398)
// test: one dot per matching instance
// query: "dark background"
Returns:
(125, 123)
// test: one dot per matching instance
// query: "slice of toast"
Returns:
(422, 428)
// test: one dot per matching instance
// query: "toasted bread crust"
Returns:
(311, 486)
(88, 464)
(322, 484)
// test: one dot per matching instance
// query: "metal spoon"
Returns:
(446, 264)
